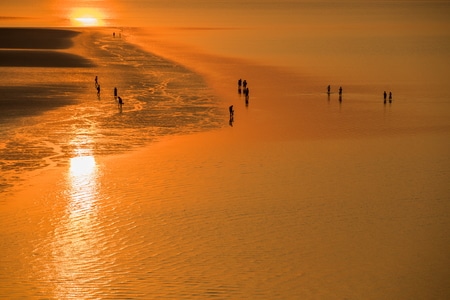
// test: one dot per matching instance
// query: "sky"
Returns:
(216, 13)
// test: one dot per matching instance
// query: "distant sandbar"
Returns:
(36, 38)
(36, 47)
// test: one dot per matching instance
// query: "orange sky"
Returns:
(224, 13)
(58, 13)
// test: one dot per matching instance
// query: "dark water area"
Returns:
(23, 101)
(26, 58)
(27, 38)
(53, 113)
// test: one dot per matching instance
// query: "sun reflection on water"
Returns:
(82, 166)
(75, 246)
(82, 179)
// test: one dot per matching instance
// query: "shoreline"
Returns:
(262, 119)
(299, 118)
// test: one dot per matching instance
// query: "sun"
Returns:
(87, 21)
(86, 17)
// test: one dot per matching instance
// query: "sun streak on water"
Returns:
(82, 179)
(74, 246)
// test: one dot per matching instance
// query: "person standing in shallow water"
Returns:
(115, 93)
(385, 95)
(390, 97)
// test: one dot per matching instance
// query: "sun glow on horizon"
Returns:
(87, 21)
(86, 17)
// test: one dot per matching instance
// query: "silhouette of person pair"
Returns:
(385, 95)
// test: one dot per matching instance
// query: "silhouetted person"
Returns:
(390, 97)
(98, 90)
(114, 34)
(96, 81)
(115, 93)
(120, 102)
(384, 95)
(244, 84)
(329, 89)
(340, 90)
(239, 82)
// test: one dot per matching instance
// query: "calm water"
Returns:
(377, 41)
(360, 212)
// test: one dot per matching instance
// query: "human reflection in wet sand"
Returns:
(231, 110)
(119, 103)
(231, 121)
(98, 91)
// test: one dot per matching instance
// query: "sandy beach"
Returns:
(302, 196)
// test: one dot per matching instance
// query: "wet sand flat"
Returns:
(304, 196)
(36, 38)
(35, 58)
